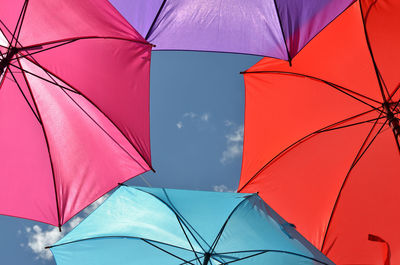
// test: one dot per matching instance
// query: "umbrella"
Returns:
(74, 110)
(166, 226)
(321, 141)
(275, 28)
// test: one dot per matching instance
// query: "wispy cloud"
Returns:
(222, 188)
(179, 125)
(39, 238)
(234, 142)
(197, 118)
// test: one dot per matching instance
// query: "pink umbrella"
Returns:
(74, 106)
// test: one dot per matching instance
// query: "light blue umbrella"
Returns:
(147, 226)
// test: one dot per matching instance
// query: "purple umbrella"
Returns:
(273, 28)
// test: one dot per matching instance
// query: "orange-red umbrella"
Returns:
(321, 141)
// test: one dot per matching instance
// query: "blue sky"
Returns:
(197, 111)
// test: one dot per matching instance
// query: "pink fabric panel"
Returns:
(9, 13)
(49, 20)
(114, 75)
(26, 182)
(90, 156)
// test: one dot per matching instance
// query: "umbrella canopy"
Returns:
(275, 28)
(165, 226)
(74, 106)
(321, 140)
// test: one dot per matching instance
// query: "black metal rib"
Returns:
(22, 20)
(357, 158)
(78, 92)
(17, 26)
(184, 219)
(300, 141)
(48, 150)
(155, 19)
(333, 85)
(283, 33)
(23, 94)
(177, 214)
(262, 251)
(175, 256)
(187, 238)
(372, 56)
(214, 244)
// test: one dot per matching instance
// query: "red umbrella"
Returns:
(321, 141)
(74, 106)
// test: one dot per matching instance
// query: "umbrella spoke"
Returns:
(341, 89)
(265, 251)
(17, 30)
(186, 261)
(352, 124)
(23, 94)
(188, 224)
(303, 139)
(364, 147)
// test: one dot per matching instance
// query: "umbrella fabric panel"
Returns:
(27, 188)
(137, 217)
(382, 24)
(303, 183)
(140, 14)
(130, 212)
(368, 205)
(105, 251)
(252, 222)
(121, 91)
(301, 20)
(234, 26)
(74, 130)
(43, 22)
(339, 51)
(281, 110)
(201, 203)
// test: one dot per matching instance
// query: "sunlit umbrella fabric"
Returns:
(164, 226)
(274, 28)
(74, 106)
(321, 140)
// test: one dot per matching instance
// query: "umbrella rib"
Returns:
(23, 94)
(22, 20)
(359, 155)
(17, 26)
(372, 56)
(184, 219)
(177, 214)
(99, 126)
(214, 244)
(262, 251)
(283, 33)
(48, 150)
(78, 92)
(175, 256)
(333, 85)
(353, 124)
(155, 19)
(187, 238)
(299, 141)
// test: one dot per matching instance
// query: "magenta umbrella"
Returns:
(74, 106)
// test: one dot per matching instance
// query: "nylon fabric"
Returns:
(338, 186)
(251, 27)
(82, 92)
(136, 212)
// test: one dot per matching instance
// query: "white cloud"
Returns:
(234, 144)
(39, 238)
(221, 188)
(198, 119)
(228, 123)
(191, 115)
(205, 117)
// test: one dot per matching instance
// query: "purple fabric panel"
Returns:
(140, 13)
(303, 19)
(237, 26)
